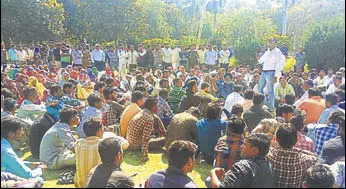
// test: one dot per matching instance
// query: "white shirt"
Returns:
(331, 89)
(302, 99)
(232, 99)
(133, 56)
(321, 82)
(175, 55)
(225, 56)
(167, 55)
(273, 60)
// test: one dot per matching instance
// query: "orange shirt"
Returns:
(126, 117)
(313, 108)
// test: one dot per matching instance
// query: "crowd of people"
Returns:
(258, 127)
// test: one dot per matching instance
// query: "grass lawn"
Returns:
(131, 165)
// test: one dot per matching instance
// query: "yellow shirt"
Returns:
(126, 117)
(87, 157)
(205, 94)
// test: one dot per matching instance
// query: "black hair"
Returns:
(141, 88)
(67, 114)
(258, 99)
(314, 92)
(93, 99)
(54, 89)
(236, 125)
(108, 149)
(238, 88)
(109, 80)
(136, 96)
(284, 108)
(108, 91)
(336, 117)
(163, 93)
(29, 91)
(11, 124)
(213, 111)
(332, 98)
(6, 93)
(205, 85)
(287, 136)
(191, 84)
(341, 94)
(290, 99)
(249, 94)
(91, 126)
(163, 80)
(9, 104)
(103, 78)
(237, 109)
(99, 85)
(319, 176)
(150, 102)
(297, 122)
(179, 153)
(176, 80)
(67, 86)
(261, 142)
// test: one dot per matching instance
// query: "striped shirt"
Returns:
(87, 157)
(174, 98)
(324, 133)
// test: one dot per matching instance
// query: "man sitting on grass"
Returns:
(108, 173)
(181, 160)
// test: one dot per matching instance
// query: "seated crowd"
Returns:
(88, 121)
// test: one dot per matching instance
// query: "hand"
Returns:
(219, 172)
(275, 80)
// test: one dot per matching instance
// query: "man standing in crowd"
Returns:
(98, 58)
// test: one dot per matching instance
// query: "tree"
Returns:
(325, 43)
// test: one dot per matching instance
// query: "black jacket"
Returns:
(37, 131)
(249, 173)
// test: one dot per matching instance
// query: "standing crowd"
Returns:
(258, 127)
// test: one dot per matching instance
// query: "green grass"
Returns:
(131, 165)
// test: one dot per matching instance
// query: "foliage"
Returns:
(27, 21)
(325, 43)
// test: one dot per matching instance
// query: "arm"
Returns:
(18, 166)
(92, 57)
(148, 126)
(279, 64)
(103, 56)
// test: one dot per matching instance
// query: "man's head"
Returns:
(97, 46)
(285, 111)
(164, 83)
(10, 105)
(319, 176)
(192, 86)
(258, 99)
(95, 100)
(194, 111)
(68, 88)
(151, 104)
(272, 43)
(163, 94)
(237, 109)
(249, 94)
(336, 117)
(297, 122)
(213, 111)
(99, 86)
(111, 152)
(205, 87)
(314, 92)
(238, 89)
(283, 81)
(235, 126)
(331, 100)
(109, 93)
(138, 98)
(255, 145)
(337, 80)
(177, 82)
(12, 128)
(228, 77)
(110, 82)
(181, 155)
(56, 91)
(322, 74)
(93, 127)
(290, 99)
(286, 136)
(340, 94)
(69, 116)
(30, 93)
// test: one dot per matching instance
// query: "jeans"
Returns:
(266, 80)
(100, 66)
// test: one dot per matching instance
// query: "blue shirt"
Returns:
(324, 133)
(12, 164)
(89, 112)
(208, 133)
(327, 112)
(210, 57)
(226, 89)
